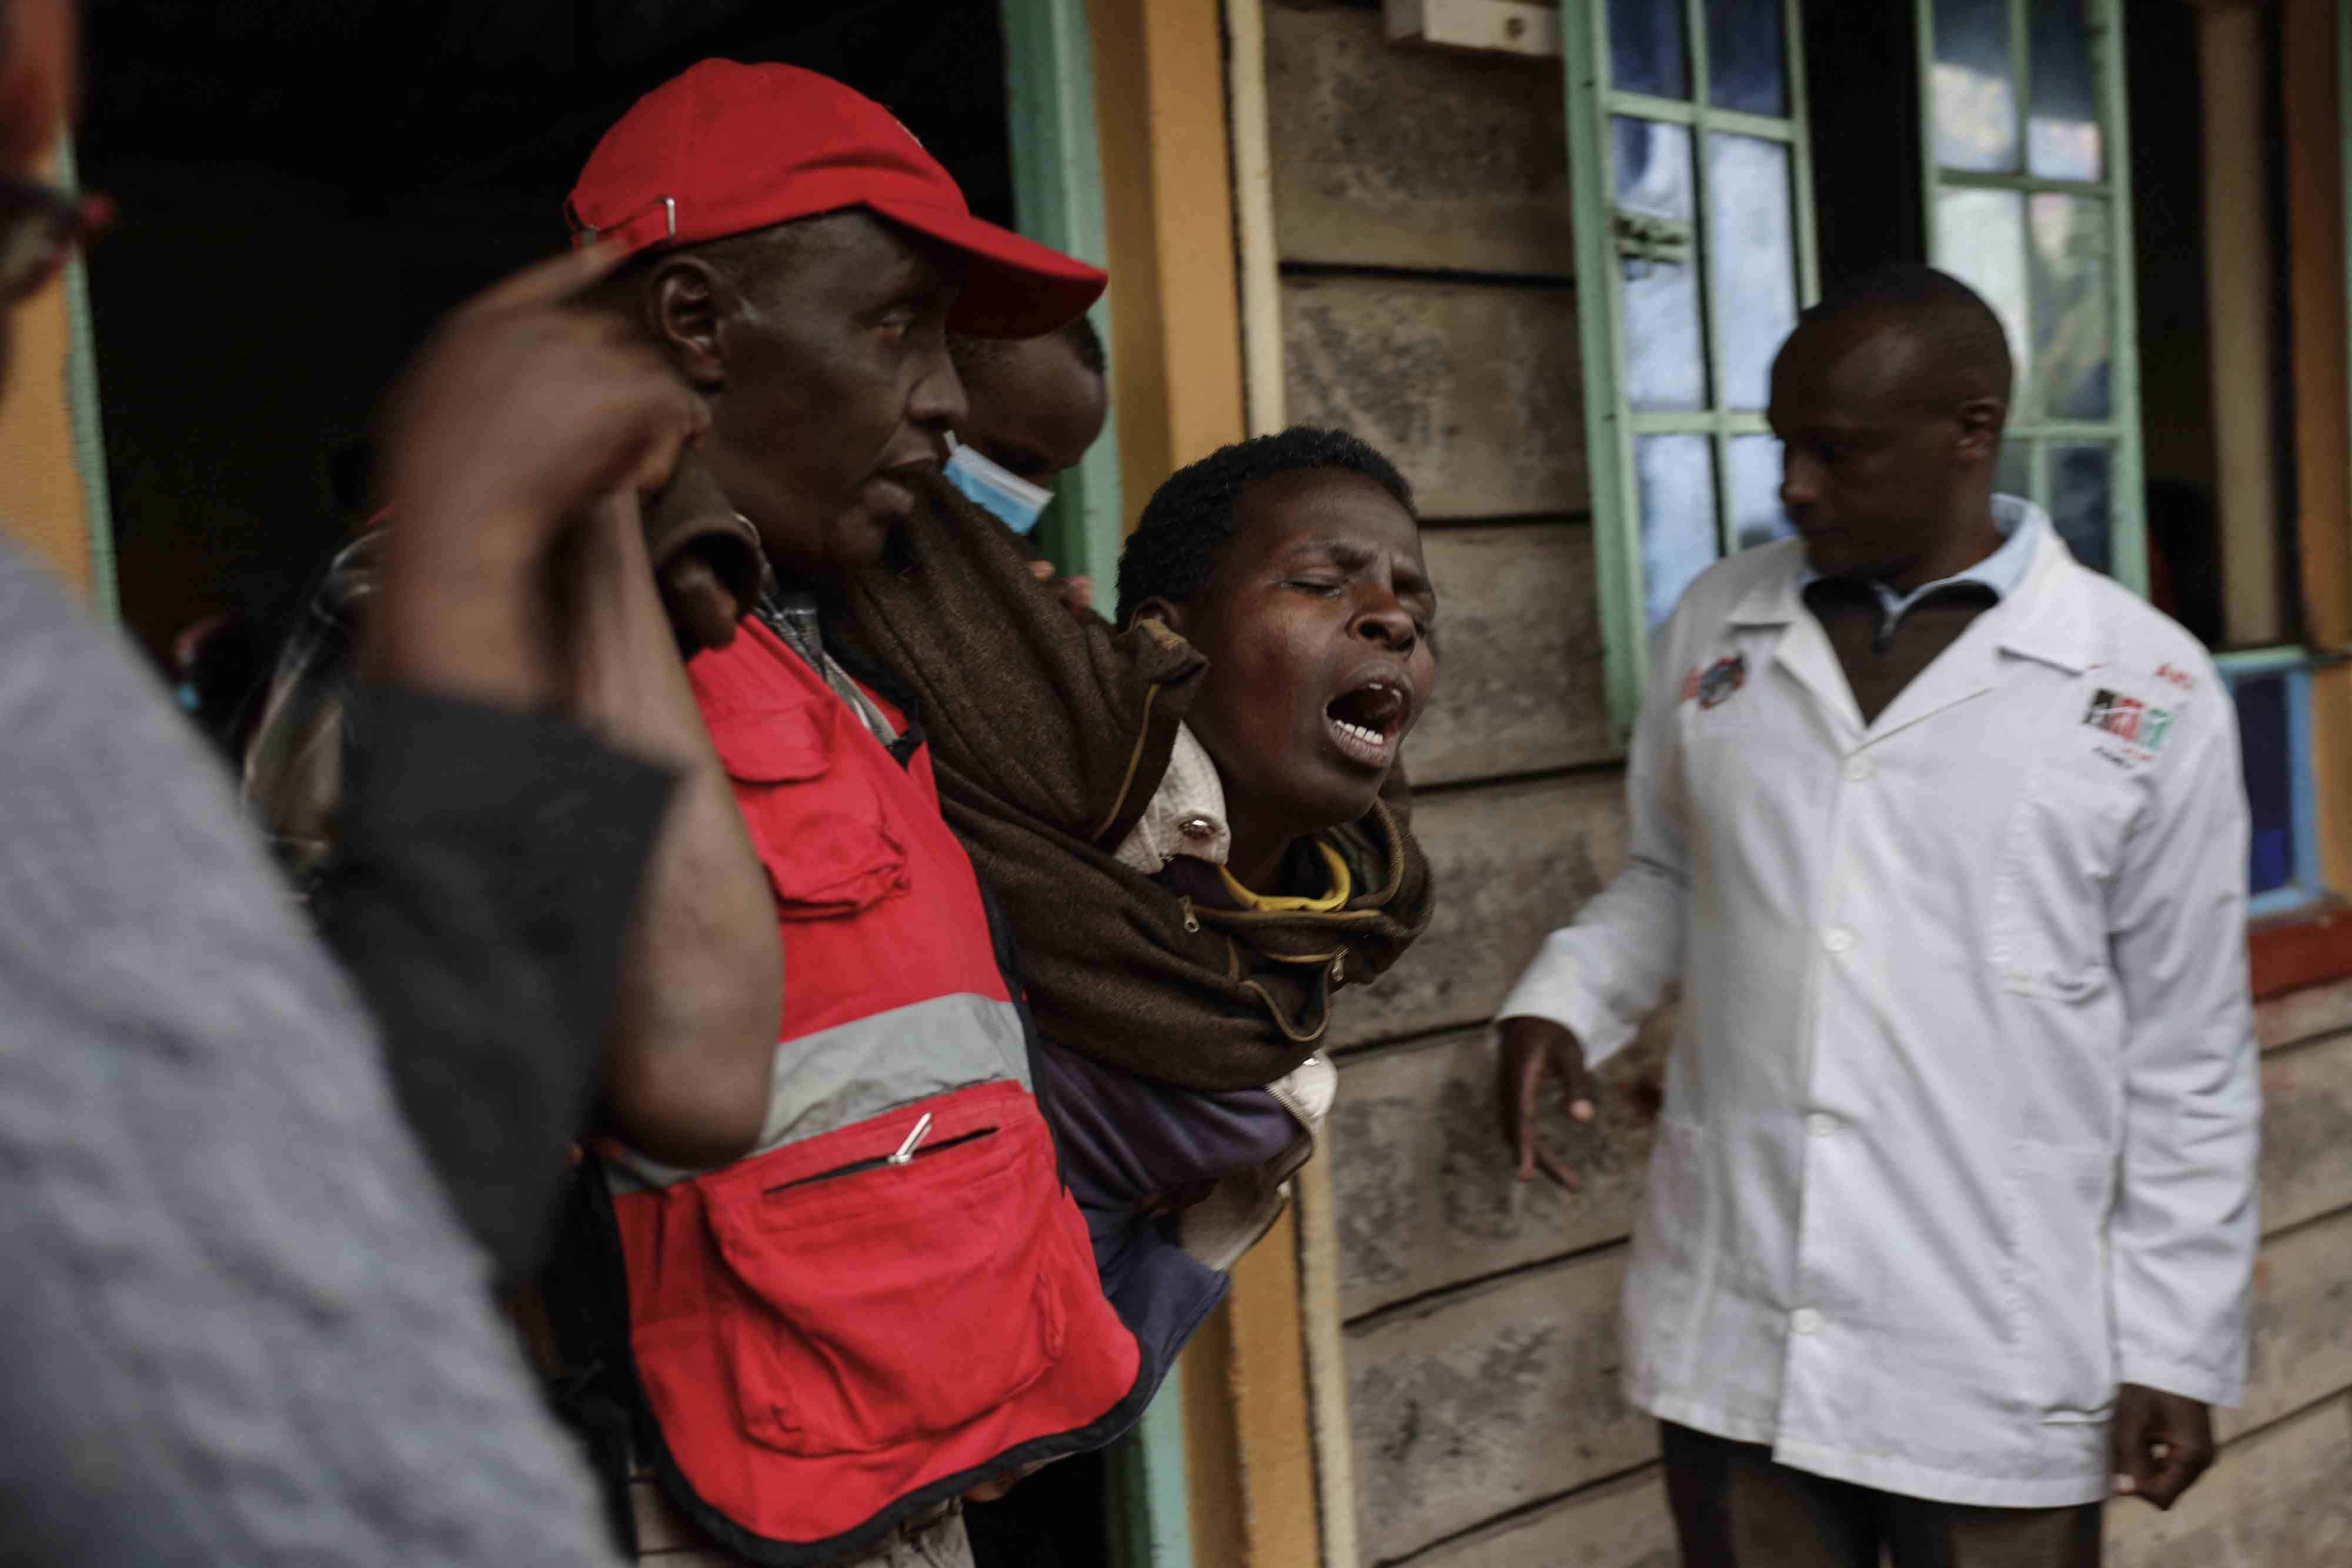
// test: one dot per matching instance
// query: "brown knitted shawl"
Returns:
(1049, 732)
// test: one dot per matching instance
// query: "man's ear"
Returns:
(1166, 612)
(1981, 421)
(683, 301)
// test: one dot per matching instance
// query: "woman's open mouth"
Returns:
(1366, 722)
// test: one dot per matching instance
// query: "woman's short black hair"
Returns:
(1184, 529)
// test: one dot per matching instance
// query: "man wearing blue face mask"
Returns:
(1036, 405)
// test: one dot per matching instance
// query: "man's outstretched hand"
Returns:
(1534, 1049)
(2162, 1442)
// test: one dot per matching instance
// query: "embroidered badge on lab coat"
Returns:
(1716, 687)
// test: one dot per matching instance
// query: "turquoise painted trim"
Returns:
(1150, 1512)
(1608, 442)
(2245, 664)
(88, 429)
(2284, 900)
(1058, 201)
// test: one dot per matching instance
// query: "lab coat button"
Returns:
(1820, 1125)
(1859, 770)
(1806, 1321)
(1838, 940)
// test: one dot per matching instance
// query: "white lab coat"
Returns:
(1961, 1119)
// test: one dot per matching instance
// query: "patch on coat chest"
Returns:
(1718, 683)
(2139, 725)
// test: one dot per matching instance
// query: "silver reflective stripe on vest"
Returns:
(845, 1074)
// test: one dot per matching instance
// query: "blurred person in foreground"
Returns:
(244, 1326)
(1950, 1221)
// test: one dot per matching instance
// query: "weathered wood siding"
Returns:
(1422, 219)
(1471, 387)
(1521, 689)
(1512, 860)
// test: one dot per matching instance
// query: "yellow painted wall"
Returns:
(1169, 224)
(42, 502)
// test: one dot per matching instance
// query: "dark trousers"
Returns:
(1735, 1508)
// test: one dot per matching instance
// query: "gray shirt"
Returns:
(239, 1324)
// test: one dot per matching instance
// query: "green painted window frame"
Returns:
(1610, 424)
(1057, 200)
(2127, 486)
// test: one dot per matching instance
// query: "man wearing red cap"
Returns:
(891, 1302)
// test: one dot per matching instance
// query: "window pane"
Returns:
(1975, 95)
(2262, 735)
(1752, 249)
(2080, 501)
(1752, 471)
(1980, 240)
(2013, 476)
(1647, 52)
(1744, 68)
(1676, 476)
(2070, 307)
(1665, 354)
(2061, 133)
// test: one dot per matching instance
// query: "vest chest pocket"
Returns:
(817, 822)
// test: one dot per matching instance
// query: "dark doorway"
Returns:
(305, 187)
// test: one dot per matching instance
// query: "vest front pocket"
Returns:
(882, 1302)
(818, 825)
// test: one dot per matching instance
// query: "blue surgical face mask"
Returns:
(1010, 497)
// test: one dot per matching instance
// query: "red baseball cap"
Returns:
(725, 148)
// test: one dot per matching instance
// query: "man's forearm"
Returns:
(701, 992)
(701, 989)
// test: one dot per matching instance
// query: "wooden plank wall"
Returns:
(1422, 216)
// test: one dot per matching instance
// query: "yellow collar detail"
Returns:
(1342, 889)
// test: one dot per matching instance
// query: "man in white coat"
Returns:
(1951, 1219)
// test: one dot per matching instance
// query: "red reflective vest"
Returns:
(893, 1298)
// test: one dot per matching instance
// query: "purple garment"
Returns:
(1126, 1140)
